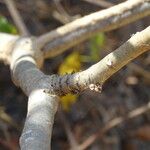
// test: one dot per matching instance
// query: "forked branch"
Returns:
(24, 55)
(43, 90)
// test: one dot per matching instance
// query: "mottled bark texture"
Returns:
(57, 41)
(42, 106)
(25, 55)
(96, 75)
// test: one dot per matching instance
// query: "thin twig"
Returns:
(60, 17)
(140, 71)
(62, 11)
(101, 3)
(17, 17)
(71, 138)
(8, 119)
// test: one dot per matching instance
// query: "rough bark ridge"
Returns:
(25, 58)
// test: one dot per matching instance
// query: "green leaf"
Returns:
(5, 26)
(96, 44)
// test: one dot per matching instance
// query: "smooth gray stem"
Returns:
(38, 127)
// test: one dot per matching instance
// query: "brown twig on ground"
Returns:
(71, 138)
(113, 123)
(16, 17)
(139, 70)
(61, 18)
(63, 15)
(8, 119)
(101, 3)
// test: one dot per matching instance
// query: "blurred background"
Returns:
(116, 119)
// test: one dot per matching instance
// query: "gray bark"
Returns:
(25, 57)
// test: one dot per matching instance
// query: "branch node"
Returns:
(109, 63)
(96, 87)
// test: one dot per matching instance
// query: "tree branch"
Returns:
(39, 121)
(16, 17)
(57, 41)
(101, 3)
(92, 78)
(24, 55)
(42, 89)
(6, 43)
(42, 106)
(97, 74)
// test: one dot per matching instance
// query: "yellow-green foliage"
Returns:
(5, 26)
(72, 63)
(96, 44)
